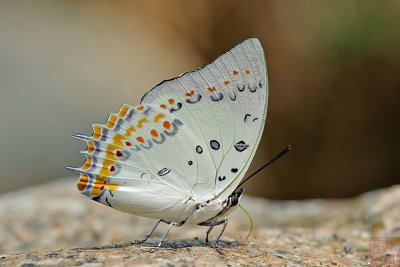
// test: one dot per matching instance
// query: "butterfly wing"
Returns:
(224, 104)
(138, 162)
(192, 138)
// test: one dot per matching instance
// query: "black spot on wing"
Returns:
(199, 149)
(221, 178)
(179, 106)
(164, 171)
(241, 146)
(253, 88)
(245, 117)
(214, 144)
(241, 88)
(108, 203)
(190, 101)
(233, 98)
(218, 98)
(234, 170)
(190, 162)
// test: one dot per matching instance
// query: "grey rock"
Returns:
(52, 224)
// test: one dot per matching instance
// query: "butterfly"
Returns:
(180, 155)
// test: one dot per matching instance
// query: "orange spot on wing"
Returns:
(87, 164)
(166, 125)
(129, 131)
(96, 132)
(96, 189)
(82, 182)
(163, 106)
(211, 89)
(140, 108)
(84, 178)
(105, 170)
(171, 101)
(90, 146)
(154, 133)
(235, 72)
(140, 139)
(100, 179)
(158, 117)
(112, 187)
(117, 140)
(110, 152)
(111, 121)
(98, 185)
(227, 82)
(247, 72)
(141, 121)
(123, 111)
(190, 94)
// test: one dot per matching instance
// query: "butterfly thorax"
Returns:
(215, 208)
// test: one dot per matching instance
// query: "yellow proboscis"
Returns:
(251, 226)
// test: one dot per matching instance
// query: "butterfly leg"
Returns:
(212, 224)
(208, 232)
(149, 234)
(165, 234)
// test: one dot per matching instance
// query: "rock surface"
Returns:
(52, 224)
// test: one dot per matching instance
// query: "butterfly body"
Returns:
(181, 153)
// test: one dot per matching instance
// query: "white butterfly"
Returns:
(180, 155)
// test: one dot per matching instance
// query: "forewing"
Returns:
(224, 106)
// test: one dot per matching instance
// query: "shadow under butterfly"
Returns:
(180, 156)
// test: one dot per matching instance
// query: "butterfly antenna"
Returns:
(251, 226)
(283, 152)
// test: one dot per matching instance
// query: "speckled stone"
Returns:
(53, 225)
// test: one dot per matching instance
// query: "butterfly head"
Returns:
(234, 198)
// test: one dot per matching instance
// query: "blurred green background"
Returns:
(334, 70)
